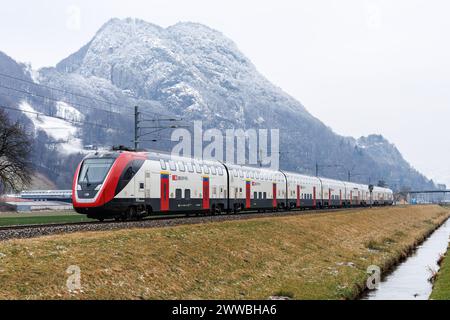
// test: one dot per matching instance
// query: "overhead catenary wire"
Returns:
(145, 116)
(109, 103)
(62, 118)
(59, 100)
(77, 104)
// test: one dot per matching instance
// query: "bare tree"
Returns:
(15, 150)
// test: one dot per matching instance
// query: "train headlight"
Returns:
(98, 187)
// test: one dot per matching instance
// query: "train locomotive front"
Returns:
(99, 178)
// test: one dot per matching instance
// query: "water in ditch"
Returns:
(409, 281)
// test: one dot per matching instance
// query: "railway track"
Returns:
(37, 230)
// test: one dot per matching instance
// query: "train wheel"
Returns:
(128, 214)
(131, 213)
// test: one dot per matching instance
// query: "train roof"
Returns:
(158, 155)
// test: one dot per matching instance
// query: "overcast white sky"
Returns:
(361, 66)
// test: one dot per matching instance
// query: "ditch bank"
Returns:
(412, 278)
(316, 256)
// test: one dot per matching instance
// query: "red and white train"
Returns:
(130, 185)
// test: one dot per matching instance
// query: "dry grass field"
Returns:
(315, 256)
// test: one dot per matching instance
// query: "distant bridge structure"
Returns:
(428, 196)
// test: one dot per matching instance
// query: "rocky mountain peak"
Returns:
(195, 72)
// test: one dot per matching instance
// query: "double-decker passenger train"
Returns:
(126, 185)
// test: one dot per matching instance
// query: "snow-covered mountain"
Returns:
(193, 71)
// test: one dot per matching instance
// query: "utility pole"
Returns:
(260, 157)
(349, 175)
(371, 194)
(317, 169)
(136, 128)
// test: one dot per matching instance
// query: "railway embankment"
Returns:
(316, 256)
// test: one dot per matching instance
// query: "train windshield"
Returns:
(94, 171)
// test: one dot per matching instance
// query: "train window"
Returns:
(220, 171)
(163, 164)
(187, 193)
(141, 186)
(235, 172)
(205, 169)
(213, 170)
(240, 189)
(255, 195)
(190, 167)
(178, 193)
(172, 165)
(265, 195)
(198, 168)
(241, 174)
(129, 174)
(260, 195)
(181, 166)
(256, 175)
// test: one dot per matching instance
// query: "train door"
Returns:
(206, 193)
(329, 198)
(274, 192)
(147, 185)
(247, 194)
(298, 196)
(314, 197)
(164, 191)
(351, 197)
(340, 198)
